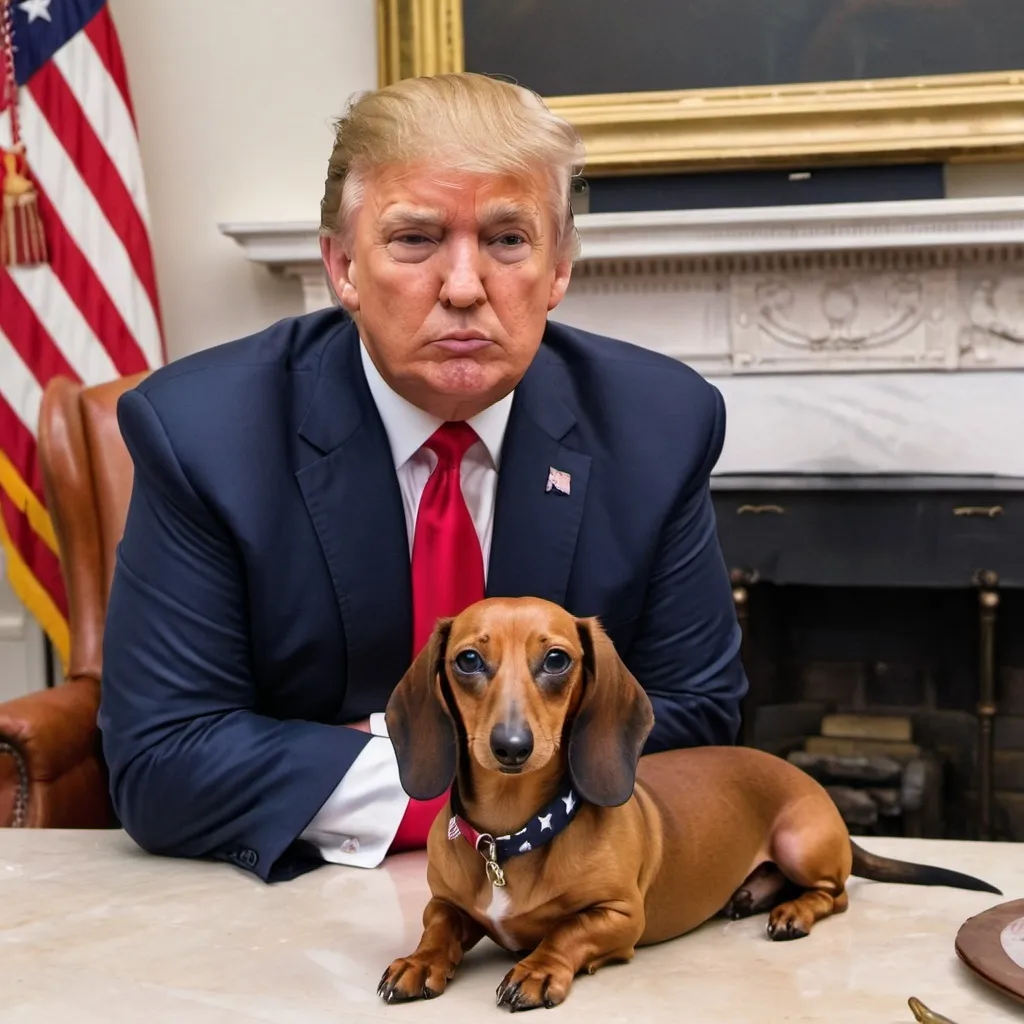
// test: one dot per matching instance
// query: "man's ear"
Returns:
(612, 724)
(420, 724)
(340, 271)
(560, 284)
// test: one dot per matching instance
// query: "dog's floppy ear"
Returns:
(612, 724)
(420, 724)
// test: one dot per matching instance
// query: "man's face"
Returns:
(450, 277)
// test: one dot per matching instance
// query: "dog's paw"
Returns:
(785, 923)
(413, 978)
(531, 985)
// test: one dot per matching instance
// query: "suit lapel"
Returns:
(535, 529)
(354, 502)
(352, 495)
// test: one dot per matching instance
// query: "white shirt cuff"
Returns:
(358, 821)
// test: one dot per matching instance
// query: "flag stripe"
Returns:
(88, 227)
(103, 107)
(21, 494)
(60, 108)
(40, 561)
(58, 104)
(103, 36)
(20, 449)
(86, 292)
(19, 387)
(26, 335)
(63, 323)
(40, 604)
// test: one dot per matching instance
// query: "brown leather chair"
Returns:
(51, 769)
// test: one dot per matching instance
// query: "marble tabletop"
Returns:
(92, 929)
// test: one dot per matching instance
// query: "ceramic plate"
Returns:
(992, 945)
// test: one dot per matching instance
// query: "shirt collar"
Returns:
(408, 427)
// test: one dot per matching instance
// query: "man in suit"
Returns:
(308, 501)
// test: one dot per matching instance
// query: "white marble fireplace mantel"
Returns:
(861, 337)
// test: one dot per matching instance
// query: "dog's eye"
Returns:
(469, 662)
(556, 662)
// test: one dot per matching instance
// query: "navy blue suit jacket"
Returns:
(261, 594)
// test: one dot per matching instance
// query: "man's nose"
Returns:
(512, 743)
(462, 286)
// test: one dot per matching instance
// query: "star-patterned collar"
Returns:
(540, 829)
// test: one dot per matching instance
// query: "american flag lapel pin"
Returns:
(558, 480)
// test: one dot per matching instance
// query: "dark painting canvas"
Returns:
(564, 47)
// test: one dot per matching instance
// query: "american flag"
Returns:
(90, 311)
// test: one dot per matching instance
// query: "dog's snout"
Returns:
(512, 743)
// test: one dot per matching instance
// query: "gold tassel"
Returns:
(22, 239)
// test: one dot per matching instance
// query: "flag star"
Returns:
(37, 9)
(545, 821)
(570, 802)
(525, 848)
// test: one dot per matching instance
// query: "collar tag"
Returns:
(489, 853)
(539, 830)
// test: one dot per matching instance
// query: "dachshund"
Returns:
(562, 843)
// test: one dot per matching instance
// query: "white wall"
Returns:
(234, 101)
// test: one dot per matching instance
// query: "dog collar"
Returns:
(540, 829)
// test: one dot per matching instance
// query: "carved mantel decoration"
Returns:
(862, 310)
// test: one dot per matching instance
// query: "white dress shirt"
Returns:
(358, 822)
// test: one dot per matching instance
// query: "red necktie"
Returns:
(447, 576)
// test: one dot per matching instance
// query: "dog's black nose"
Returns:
(511, 744)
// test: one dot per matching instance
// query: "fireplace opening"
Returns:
(874, 691)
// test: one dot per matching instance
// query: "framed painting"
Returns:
(667, 86)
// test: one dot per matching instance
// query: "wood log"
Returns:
(868, 727)
(878, 771)
(888, 801)
(855, 806)
(844, 747)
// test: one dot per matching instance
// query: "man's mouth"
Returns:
(462, 342)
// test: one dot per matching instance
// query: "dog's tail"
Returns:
(885, 869)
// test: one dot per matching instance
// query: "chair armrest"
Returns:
(58, 779)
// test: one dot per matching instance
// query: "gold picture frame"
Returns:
(949, 118)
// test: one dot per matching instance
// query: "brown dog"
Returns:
(560, 842)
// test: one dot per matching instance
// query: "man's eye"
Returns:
(411, 239)
(512, 239)
(556, 662)
(469, 662)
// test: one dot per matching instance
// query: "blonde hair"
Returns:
(467, 121)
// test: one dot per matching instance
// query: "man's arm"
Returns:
(195, 771)
(359, 820)
(686, 651)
